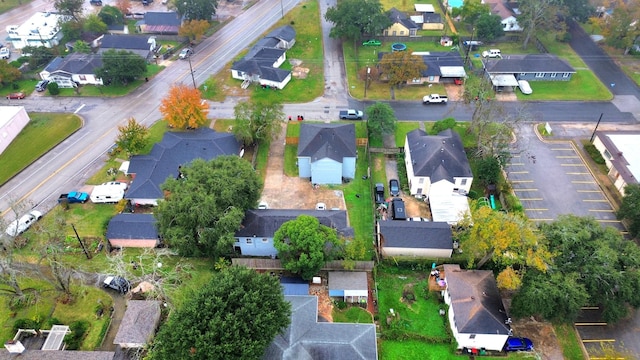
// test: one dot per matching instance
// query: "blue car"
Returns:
(518, 344)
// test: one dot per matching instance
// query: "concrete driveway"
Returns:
(550, 178)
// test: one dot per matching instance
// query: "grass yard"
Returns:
(402, 129)
(413, 349)
(360, 208)
(32, 143)
(84, 307)
(7, 5)
(584, 85)
(568, 342)
(112, 90)
(26, 86)
(352, 314)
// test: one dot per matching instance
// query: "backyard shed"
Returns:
(350, 286)
(139, 324)
(133, 230)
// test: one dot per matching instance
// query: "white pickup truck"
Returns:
(434, 99)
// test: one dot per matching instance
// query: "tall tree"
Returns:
(183, 107)
(506, 239)
(205, 206)
(132, 137)
(197, 9)
(8, 73)
(580, 10)
(304, 245)
(71, 8)
(608, 266)
(94, 24)
(472, 9)
(630, 208)
(236, 315)
(352, 19)
(257, 120)
(620, 30)
(194, 29)
(489, 27)
(124, 6)
(401, 66)
(121, 67)
(111, 15)
(537, 14)
(53, 230)
(381, 120)
(38, 55)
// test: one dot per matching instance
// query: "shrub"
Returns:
(438, 126)
(78, 329)
(341, 305)
(513, 203)
(594, 154)
(53, 88)
(25, 324)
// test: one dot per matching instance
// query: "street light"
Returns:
(282, 8)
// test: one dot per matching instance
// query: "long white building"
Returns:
(42, 29)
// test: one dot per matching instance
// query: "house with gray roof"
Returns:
(138, 44)
(477, 316)
(414, 239)
(262, 63)
(255, 236)
(138, 324)
(156, 22)
(327, 152)
(308, 339)
(441, 67)
(508, 13)
(133, 231)
(401, 24)
(506, 71)
(166, 157)
(621, 153)
(349, 286)
(73, 70)
(427, 17)
(438, 170)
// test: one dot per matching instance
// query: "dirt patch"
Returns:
(325, 305)
(543, 336)
(300, 72)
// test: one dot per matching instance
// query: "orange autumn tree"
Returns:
(194, 29)
(183, 107)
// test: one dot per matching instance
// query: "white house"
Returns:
(12, 120)
(506, 12)
(477, 317)
(327, 152)
(438, 170)
(73, 70)
(621, 153)
(42, 29)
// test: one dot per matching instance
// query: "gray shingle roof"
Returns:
(261, 57)
(57, 355)
(396, 16)
(125, 42)
(432, 18)
(416, 234)
(132, 226)
(530, 63)
(139, 322)
(286, 33)
(264, 223)
(334, 141)
(175, 149)
(307, 339)
(439, 156)
(78, 63)
(348, 280)
(476, 302)
(167, 18)
(54, 64)
(262, 68)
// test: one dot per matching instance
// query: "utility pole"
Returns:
(81, 243)
(191, 71)
(596, 129)
(466, 60)
(282, 8)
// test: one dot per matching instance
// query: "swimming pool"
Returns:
(455, 3)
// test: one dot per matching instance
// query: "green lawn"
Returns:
(352, 314)
(32, 143)
(412, 349)
(569, 342)
(26, 86)
(113, 89)
(84, 307)
(7, 5)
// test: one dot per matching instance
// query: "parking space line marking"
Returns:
(562, 149)
(600, 200)
(566, 157)
(518, 172)
(596, 210)
(525, 189)
(598, 340)
(577, 173)
(541, 209)
(582, 182)
(531, 199)
(590, 308)
(532, 219)
(521, 181)
(589, 191)
(571, 165)
(591, 324)
(519, 164)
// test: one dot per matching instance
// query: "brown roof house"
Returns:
(621, 153)
(477, 316)
(139, 324)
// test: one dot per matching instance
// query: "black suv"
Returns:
(379, 193)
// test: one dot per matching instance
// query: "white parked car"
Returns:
(185, 53)
(263, 205)
(5, 53)
(21, 225)
(492, 53)
(122, 185)
(524, 86)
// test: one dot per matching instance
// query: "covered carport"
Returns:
(503, 81)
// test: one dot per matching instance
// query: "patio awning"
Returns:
(503, 80)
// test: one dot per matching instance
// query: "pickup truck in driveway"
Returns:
(351, 114)
(74, 197)
(434, 99)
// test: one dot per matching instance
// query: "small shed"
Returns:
(294, 286)
(139, 324)
(133, 231)
(352, 287)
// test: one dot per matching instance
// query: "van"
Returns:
(398, 210)
(103, 194)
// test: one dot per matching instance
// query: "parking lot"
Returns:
(551, 179)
